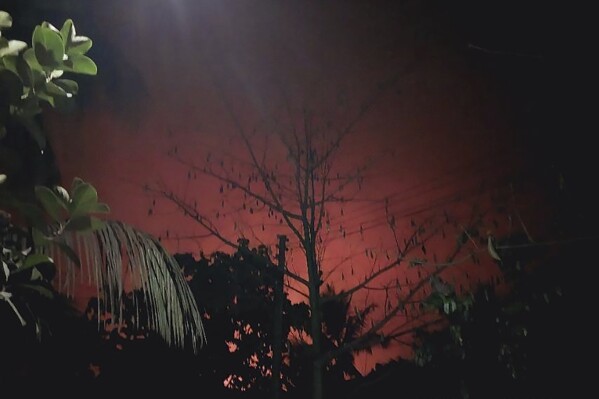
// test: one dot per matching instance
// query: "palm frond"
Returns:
(118, 257)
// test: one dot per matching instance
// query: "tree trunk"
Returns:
(278, 320)
(315, 322)
(317, 383)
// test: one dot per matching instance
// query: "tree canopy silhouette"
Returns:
(289, 169)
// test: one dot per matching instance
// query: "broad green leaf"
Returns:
(55, 74)
(80, 46)
(13, 48)
(36, 275)
(97, 224)
(48, 25)
(76, 181)
(48, 47)
(10, 63)
(51, 203)
(29, 56)
(35, 72)
(22, 68)
(85, 197)
(66, 31)
(84, 193)
(89, 208)
(5, 20)
(81, 223)
(85, 224)
(55, 90)
(69, 86)
(33, 260)
(80, 64)
(100, 208)
(45, 96)
(74, 44)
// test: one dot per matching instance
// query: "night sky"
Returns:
(450, 120)
(482, 96)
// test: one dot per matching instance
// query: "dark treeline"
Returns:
(504, 346)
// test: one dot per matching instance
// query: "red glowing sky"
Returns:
(445, 127)
(445, 121)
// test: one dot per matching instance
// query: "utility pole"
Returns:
(277, 355)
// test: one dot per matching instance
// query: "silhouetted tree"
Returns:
(236, 295)
(301, 192)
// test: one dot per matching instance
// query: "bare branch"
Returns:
(190, 211)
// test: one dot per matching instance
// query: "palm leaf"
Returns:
(118, 257)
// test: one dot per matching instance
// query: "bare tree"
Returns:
(304, 192)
